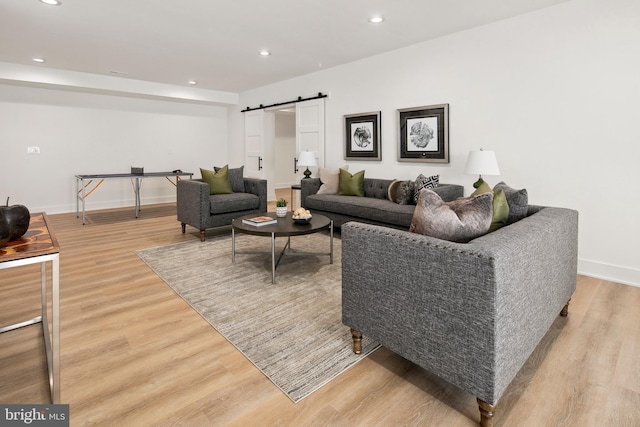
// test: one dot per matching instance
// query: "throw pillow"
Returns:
(351, 184)
(500, 206)
(218, 181)
(518, 201)
(461, 220)
(424, 182)
(236, 177)
(330, 180)
(401, 192)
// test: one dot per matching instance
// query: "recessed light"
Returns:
(52, 2)
(376, 19)
(193, 82)
(265, 52)
(39, 60)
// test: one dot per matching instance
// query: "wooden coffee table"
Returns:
(285, 227)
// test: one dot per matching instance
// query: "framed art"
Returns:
(362, 136)
(424, 134)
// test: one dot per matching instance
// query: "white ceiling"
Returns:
(216, 42)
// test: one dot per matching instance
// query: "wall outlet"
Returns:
(33, 150)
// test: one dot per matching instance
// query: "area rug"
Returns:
(292, 330)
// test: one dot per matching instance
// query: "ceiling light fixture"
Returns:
(265, 52)
(52, 2)
(193, 82)
(376, 19)
(39, 60)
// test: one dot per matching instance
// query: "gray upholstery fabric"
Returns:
(197, 208)
(518, 200)
(236, 177)
(374, 208)
(376, 188)
(471, 313)
(234, 202)
(370, 208)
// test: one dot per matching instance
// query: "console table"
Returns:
(39, 245)
(82, 193)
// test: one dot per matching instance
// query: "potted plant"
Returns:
(281, 208)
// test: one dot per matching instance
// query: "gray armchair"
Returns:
(199, 209)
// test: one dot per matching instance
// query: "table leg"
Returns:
(83, 196)
(331, 242)
(136, 190)
(55, 307)
(273, 258)
(233, 244)
(52, 341)
(77, 198)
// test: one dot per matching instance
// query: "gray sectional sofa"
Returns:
(374, 208)
(471, 313)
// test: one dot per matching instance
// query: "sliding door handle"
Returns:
(259, 163)
(295, 165)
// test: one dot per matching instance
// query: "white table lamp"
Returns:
(307, 158)
(481, 162)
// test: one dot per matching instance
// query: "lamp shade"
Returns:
(480, 162)
(307, 158)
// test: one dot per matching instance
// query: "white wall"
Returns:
(553, 92)
(88, 133)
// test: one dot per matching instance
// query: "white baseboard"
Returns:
(110, 204)
(610, 272)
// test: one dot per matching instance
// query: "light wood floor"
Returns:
(135, 354)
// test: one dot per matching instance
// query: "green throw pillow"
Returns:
(218, 181)
(236, 177)
(518, 201)
(351, 185)
(500, 214)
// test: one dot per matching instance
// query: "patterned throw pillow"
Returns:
(401, 192)
(424, 182)
(518, 201)
(236, 177)
(459, 221)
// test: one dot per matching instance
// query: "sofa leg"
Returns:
(565, 309)
(184, 227)
(357, 341)
(486, 413)
(202, 232)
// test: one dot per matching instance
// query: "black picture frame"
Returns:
(362, 136)
(424, 134)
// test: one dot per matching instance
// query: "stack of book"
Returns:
(260, 220)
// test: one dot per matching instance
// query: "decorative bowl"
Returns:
(302, 220)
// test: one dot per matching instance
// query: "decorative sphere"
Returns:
(17, 218)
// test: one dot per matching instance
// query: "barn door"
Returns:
(310, 131)
(254, 143)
